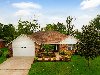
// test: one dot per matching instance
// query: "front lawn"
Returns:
(78, 66)
(2, 59)
(3, 54)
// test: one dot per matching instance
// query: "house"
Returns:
(2, 43)
(29, 45)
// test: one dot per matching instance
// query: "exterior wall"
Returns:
(2, 44)
(37, 48)
(63, 47)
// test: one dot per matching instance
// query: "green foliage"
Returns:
(1, 31)
(64, 52)
(69, 26)
(2, 59)
(5, 52)
(26, 27)
(47, 47)
(35, 58)
(7, 32)
(60, 27)
(89, 45)
(77, 34)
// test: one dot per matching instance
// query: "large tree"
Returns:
(77, 34)
(62, 28)
(26, 27)
(8, 32)
(69, 25)
(89, 44)
(1, 31)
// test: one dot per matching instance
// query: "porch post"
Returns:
(56, 47)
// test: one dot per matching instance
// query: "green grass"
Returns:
(4, 53)
(78, 66)
(2, 59)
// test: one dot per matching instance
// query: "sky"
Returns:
(49, 11)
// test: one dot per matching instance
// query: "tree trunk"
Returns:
(88, 63)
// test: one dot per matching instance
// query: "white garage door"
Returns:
(23, 46)
(23, 51)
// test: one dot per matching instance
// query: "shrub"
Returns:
(0, 53)
(49, 59)
(69, 53)
(47, 47)
(54, 58)
(61, 52)
(35, 58)
(5, 52)
(43, 58)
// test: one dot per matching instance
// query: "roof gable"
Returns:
(69, 40)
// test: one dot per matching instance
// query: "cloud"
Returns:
(26, 9)
(23, 13)
(27, 5)
(82, 19)
(88, 4)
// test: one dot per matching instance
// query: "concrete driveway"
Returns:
(16, 66)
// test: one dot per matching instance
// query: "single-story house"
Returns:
(2, 43)
(29, 45)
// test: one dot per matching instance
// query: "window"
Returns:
(70, 46)
(23, 47)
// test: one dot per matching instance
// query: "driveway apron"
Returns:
(16, 66)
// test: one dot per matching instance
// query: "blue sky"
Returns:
(49, 11)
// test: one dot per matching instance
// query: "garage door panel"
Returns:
(23, 52)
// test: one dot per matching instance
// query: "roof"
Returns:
(48, 37)
(69, 40)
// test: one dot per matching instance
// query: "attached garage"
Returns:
(23, 46)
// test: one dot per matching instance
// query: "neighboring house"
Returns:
(28, 45)
(2, 44)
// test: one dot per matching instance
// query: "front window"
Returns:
(70, 47)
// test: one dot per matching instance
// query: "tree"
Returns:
(77, 34)
(89, 45)
(1, 31)
(60, 27)
(26, 27)
(69, 26)
(8, 32)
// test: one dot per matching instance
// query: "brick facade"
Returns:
(63, 47)
(2, 44)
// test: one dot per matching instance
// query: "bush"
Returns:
(0, 53)
(54, 58)
(35, 58)
(43, 58)
(61, 52)
(69, 53)
(5, 52)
